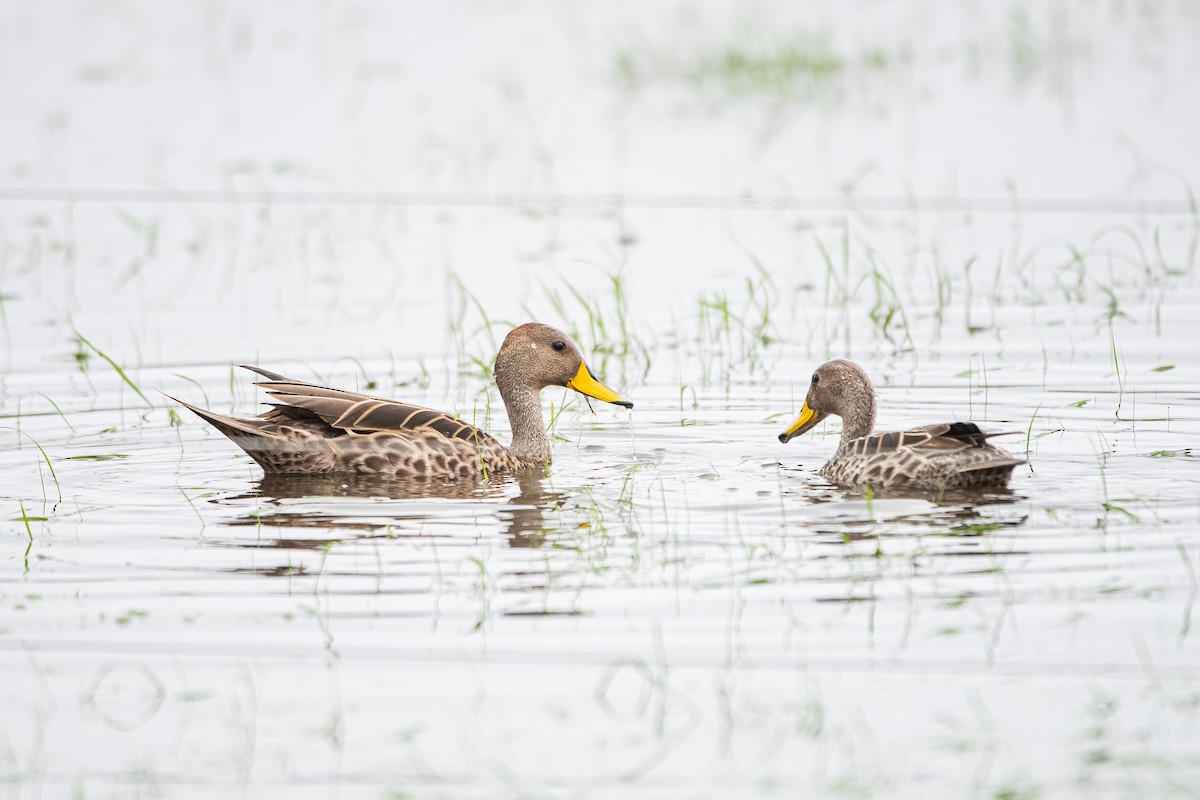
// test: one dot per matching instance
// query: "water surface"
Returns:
(989, 208)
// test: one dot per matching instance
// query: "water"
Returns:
(990, 208)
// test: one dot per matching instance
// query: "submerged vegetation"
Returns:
(753, 62)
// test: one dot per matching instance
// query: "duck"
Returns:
(313, 430)
(951, 455)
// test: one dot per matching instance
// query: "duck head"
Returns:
(535, 356)
(840, 388)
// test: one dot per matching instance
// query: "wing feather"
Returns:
(933, 440)
(346, 410)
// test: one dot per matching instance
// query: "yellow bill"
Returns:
(584, 383)
(807, 419)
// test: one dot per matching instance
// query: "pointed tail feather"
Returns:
(254, 436)
(226, 425)
(275, 449)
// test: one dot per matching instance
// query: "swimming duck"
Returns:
(951, 455)
(312, 429)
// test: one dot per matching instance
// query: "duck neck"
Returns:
(529, 442)
(858, 420)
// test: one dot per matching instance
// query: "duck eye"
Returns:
(559, 346)
(816, 378)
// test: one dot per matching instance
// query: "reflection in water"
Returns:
(524, 514)
(295, 486)
(956, 513)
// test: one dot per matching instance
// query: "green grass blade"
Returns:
(115, 366)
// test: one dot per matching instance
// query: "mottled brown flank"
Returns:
(948, 456)
(312, 449)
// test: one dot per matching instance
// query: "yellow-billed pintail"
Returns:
(951, 455)
(312, 429)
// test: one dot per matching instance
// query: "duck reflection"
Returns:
(523, 515)
(288, 487)
(860, 514)
(955, 514)
(526, 512)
